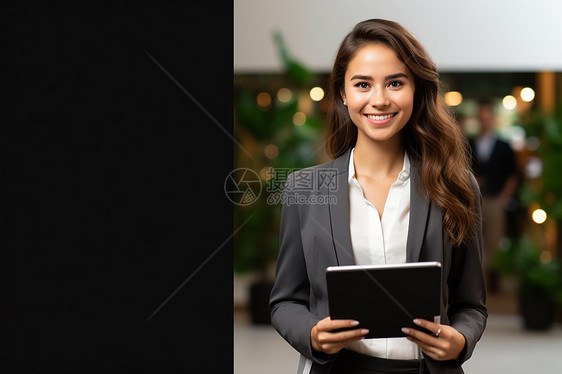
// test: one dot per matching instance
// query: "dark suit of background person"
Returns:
(496, 173)
(315, 236)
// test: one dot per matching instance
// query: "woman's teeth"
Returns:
(380, 118)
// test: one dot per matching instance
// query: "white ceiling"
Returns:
(475, 35)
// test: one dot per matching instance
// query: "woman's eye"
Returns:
(362, 85)
(395, 84)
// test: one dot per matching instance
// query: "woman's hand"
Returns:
(324, 339)
(448, 345)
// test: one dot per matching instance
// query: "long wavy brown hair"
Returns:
(433, 139)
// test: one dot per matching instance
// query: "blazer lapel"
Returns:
(419, 210)
(339, 212)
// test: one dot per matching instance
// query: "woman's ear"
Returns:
(343, 98)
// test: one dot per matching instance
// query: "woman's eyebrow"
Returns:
(389, 77)
(362, 77)
(397, 75)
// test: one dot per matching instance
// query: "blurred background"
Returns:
(501, 72)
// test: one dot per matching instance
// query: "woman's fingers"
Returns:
(445, 343)
(331, 344)
(339, 330)
(422, 336)
(435, 328)
(327, 335)
(328, 324)
(342, 336)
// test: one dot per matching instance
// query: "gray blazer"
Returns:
(314, 234)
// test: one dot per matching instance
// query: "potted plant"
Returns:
(539, 279)
(258, 128)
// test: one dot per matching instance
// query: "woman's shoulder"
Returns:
(310, 175)
(317, 179)
(337, 166)
(328, 170)
(314, 168)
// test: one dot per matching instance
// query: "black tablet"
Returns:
(385, 298)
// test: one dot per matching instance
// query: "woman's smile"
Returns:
(380, 119)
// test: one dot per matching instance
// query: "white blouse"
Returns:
(381, 241)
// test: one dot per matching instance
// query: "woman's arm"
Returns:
(290, 297)
(289, 300)
(467, 289)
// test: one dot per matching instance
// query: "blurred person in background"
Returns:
(495, 168)
(405, 192)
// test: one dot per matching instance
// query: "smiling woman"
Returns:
(379, 93)
(432, 135)
(404, 193)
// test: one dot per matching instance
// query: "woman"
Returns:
(402, 191)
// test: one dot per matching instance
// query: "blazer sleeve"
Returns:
(467, 310)
(289, 299)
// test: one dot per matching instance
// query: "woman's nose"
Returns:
(378, 97)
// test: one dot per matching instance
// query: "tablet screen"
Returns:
(385, 298)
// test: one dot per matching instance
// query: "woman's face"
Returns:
(379, 92)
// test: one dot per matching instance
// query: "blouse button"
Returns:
(403, 176)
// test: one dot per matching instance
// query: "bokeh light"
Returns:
(266, 173)
(539, 216)
(271, 151)
(527, 94)
(299, 118)
(316, 93)
(284, 95)
(509, 102)
(263, 99)
(533, 167)
(453, 98)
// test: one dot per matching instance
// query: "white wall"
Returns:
(467, 35)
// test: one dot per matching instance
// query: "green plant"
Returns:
(546, 129)
(257, 127)
(536, 273)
